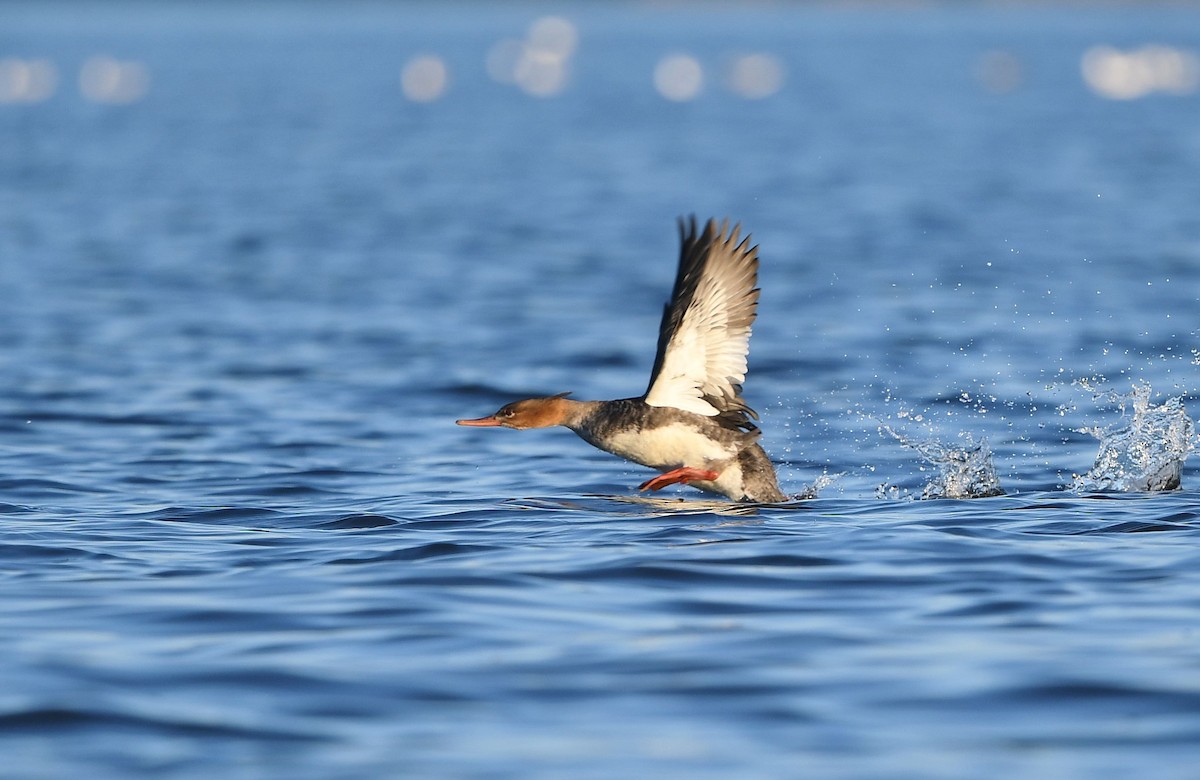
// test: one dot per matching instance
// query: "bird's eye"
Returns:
(505, 412)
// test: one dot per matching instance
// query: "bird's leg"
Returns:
(681, 475)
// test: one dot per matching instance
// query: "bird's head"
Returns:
(529, 413)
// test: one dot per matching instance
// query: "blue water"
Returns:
(241, 536)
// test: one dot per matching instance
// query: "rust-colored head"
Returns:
(530, 413)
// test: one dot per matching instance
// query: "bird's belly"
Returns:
(668, 447)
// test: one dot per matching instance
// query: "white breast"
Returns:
(668, 447)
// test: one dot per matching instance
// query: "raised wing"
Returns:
(705, 331)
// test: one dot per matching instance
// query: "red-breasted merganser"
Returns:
(692, 423)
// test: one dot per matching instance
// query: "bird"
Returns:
(692, 424)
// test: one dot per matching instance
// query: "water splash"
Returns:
(1144, 453)
(819, 484)
(962, 472)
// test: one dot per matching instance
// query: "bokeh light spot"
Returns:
(26, 81)
(424, 79)
(555, 35)
(539, 64)
(103, 79)
(755, 76)
(1127, 75)
(679, 77)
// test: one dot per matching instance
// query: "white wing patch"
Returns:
(703, 363)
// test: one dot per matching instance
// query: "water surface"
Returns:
(241, 535)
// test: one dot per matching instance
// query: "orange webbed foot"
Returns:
(680, 476)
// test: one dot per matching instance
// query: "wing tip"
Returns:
(724, 232)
